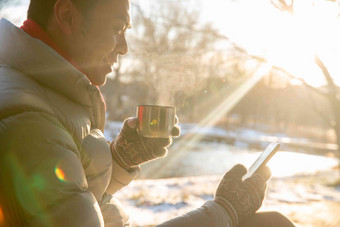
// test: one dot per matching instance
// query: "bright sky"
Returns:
(284, 40)
(288, 41)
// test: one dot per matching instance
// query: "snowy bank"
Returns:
(305, 199)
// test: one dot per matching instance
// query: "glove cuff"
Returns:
(229, 208)
(117, 157)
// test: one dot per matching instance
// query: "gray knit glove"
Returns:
(241, 199)
(129, 149)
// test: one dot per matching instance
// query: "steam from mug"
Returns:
(155, 121)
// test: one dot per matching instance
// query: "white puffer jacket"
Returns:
(55, 162)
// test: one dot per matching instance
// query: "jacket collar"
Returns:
(43, 64)
(36, 31)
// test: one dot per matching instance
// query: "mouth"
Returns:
(107, 65)
(111, 58)
(108, 61)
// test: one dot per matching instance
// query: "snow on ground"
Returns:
(308, 204)
(299, 187)
(215, 158)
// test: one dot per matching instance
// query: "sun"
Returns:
(287, 40)
(297, 38)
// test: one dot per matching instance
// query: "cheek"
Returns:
(103, 45)
(103, 37)
(99, 41)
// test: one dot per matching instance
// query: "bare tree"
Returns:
(331, 91)
(172, 55)
(284, 5)
(333, 95)
(169, 51)
(6, 3)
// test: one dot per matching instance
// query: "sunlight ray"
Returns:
(235, 92)
(2, 218)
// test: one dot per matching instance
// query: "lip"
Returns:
(110, 60)
(115, 60)
(108, 68)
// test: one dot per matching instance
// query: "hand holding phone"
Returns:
(263, 159)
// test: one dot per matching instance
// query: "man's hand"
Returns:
(129, 149)
(241, 199)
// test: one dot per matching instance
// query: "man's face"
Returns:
(100, 39)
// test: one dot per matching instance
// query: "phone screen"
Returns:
(262, 160)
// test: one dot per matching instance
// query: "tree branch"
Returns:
(215, 34)
(6, 3)
(301, 80)
(323, 116)
(283, 5)
(325, 72)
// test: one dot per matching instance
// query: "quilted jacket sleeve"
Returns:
(42, 181)
(210, 214)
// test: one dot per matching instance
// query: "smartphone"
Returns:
(262, 160)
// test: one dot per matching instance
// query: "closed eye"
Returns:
(120, 31)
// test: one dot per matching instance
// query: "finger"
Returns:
(160, 152)
(238, 171)
(264, 172)
(176, 131)
(260, 177)
(158, 142)
(129, 128)
(256, 192)
(176, 120)
(257, 184)
(132, 122)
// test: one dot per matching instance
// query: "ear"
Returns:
(66, 15)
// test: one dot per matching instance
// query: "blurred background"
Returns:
(241, 74)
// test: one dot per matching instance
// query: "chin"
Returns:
(98, 75)
(97, 80)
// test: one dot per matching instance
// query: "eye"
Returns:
(117, 31)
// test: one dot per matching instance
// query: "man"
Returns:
(57, 169)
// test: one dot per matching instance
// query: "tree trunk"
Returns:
(333, 98)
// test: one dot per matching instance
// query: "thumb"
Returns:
(129, 128)
(132, 122)
(262, 175)
(238, 171)
(264, 172)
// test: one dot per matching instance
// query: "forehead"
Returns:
(114, 9)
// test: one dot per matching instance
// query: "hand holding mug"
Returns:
(131, 149)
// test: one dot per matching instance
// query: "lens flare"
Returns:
(154, 122)
(2, 218)
(60, 174)
(233, 94)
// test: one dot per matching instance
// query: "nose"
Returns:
(122, 46)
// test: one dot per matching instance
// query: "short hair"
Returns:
(41, 10)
